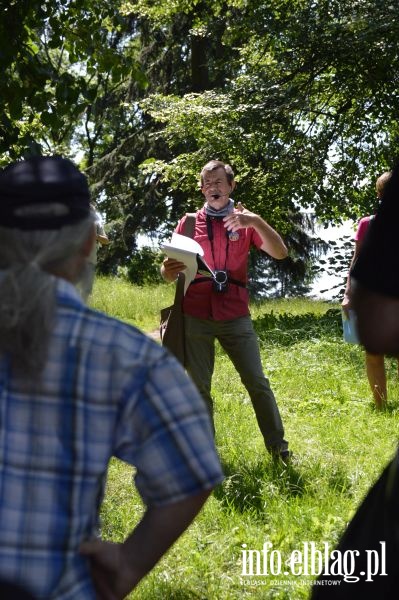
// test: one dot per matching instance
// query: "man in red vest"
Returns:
(218, 308)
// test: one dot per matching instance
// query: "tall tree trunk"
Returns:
(199, 64)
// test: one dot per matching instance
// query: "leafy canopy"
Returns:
(299, 96)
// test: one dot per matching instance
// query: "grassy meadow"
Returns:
(340, 445)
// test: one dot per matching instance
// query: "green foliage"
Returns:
(310, 113)
(143, 268)
(294, 275)
(337, 264)
(60, 61)
(299, 97)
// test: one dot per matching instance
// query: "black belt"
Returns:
(229, 279)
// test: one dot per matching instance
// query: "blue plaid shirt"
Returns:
(106, 390)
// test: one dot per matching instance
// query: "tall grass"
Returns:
(136, 305)
(340, 444)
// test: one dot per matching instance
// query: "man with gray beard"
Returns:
(78, 387)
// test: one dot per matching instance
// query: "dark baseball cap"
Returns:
(43, 192)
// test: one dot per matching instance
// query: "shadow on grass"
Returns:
(392, 407)
(339, 481)
(286, 329)
(172, 591)
(251, 488)
(248, 488)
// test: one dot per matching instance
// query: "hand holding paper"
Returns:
(187, 251)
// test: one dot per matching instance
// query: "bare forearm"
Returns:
(272, 242)
(346, 303)
(346, 299)
(116, 569)
(158, 530)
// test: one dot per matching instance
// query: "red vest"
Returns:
(227, 253)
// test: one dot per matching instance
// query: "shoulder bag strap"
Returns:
(189, 225)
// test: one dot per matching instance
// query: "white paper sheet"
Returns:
(185, 250)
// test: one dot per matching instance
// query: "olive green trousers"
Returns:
(238, 339)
